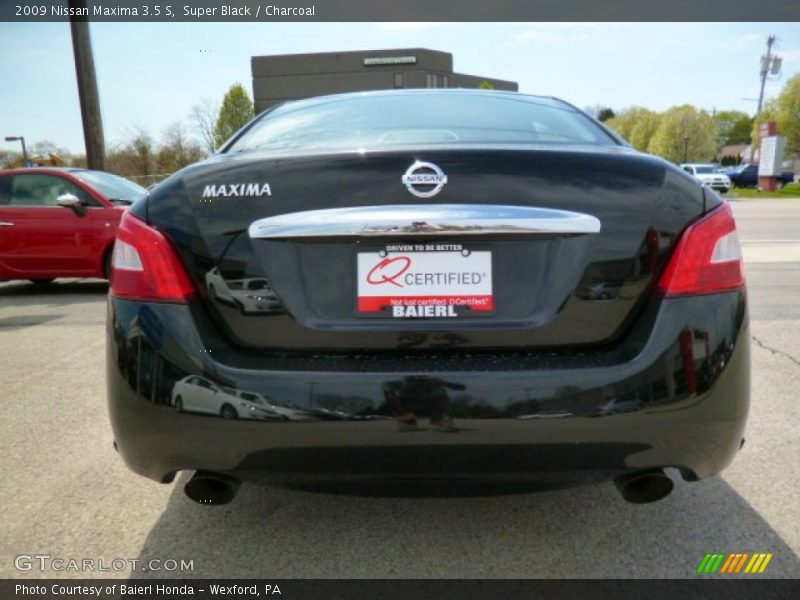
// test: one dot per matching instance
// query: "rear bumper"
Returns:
(675, 394)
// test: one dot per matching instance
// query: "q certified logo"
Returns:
(389, 270)
(424, 179)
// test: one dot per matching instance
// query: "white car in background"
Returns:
(709, 176)
(277, 412)
(195, 394)
(253, 295)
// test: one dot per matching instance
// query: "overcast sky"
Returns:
(152, 74)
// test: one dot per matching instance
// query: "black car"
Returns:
(468, 290)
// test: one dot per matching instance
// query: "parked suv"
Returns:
(709, 175)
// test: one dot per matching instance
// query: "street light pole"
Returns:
(685, 148)
(20, 138)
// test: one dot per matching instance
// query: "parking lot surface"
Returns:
(67, 494)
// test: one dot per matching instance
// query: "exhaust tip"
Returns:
(210, 488)
(642, 487)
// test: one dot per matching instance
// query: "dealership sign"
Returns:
(770, 162)
(390, 60)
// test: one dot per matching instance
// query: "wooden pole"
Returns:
(87, 90)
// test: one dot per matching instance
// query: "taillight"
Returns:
(145, 266)
(707, 259)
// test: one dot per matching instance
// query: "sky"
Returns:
(150, 75)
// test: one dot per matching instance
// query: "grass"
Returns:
(791, 190)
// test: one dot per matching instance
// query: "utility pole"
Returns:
(768, 62)
(87, 89)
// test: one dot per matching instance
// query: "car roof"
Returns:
(41, 170)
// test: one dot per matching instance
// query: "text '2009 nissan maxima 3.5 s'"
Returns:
(428, 292)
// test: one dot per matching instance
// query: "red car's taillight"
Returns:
(707, 259)
(145, 266)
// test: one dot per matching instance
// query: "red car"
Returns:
(60, 222)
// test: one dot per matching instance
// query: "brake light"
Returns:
(707, 259)
(144, 265)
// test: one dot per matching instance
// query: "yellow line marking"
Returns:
(749, 566)
(765, 563)
(758, 563)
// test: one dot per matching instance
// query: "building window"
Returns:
(398, 80)
(437, 80)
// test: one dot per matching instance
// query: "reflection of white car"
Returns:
(199, 395)
(218, 287)
(252, 295)
(276, 410)
(709, 175)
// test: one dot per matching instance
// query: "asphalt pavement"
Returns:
(65, 492)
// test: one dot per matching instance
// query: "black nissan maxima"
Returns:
(428, 292)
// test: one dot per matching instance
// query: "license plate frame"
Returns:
(438, 280)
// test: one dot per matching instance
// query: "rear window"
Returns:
(380, 121)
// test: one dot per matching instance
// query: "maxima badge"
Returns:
(424, 179)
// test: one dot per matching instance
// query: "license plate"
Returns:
(424, 281)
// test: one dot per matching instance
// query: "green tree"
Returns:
(733, 127)
(624, 122)
(685, 134)
(789, 115)
(643, 130)
(237, 109)
(785, 111)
